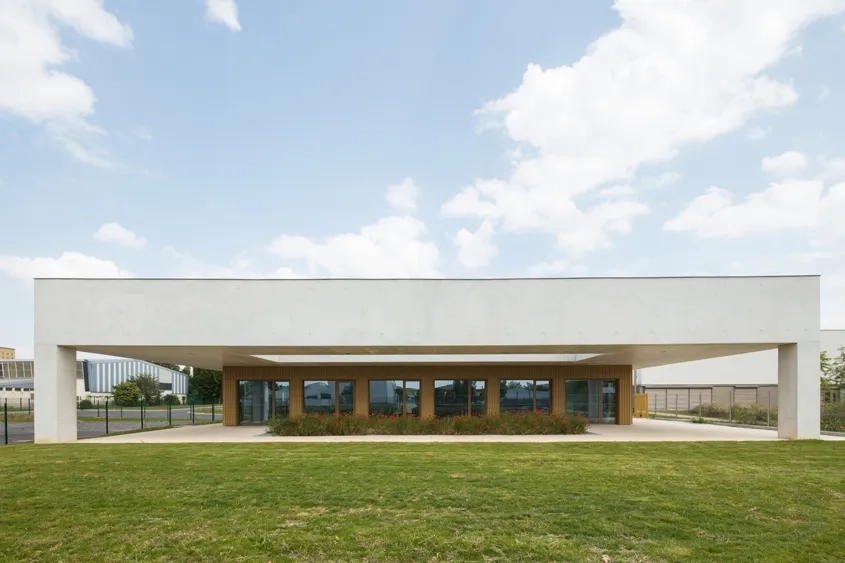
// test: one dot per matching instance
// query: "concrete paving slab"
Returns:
(643, 430)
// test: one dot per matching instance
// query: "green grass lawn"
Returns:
(602, 502)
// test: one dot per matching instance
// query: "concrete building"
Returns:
(94, 378)
(744, 370)
(293, 346)
(7, 353)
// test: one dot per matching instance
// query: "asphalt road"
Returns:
(20, 432)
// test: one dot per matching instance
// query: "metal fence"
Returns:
(103, 417)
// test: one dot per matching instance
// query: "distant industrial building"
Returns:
(7, 353)
(94, 378)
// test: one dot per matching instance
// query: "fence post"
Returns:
(193, 412)
(769, 409)
(29, 407)
(98, 408)
(20, 404)
(121, 410)
(699, 405)
(666, 399)
(169, 415)
(107, 416)
(142, 415)
(676, 405)
(731, 408)
(212, 412)
(5, 422)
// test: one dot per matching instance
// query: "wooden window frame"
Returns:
(404, 392)
(533, 395)
(337, 383)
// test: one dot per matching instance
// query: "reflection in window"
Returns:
(594, 399)
(517, 395)
(394, 397)
(328, 397)
(255, 401)
(282, 399)
(459, 397)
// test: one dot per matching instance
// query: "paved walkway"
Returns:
(643, 430)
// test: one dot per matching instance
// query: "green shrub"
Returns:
(126, 394)
(833, 417)
(85, 404)
(356, 425)
(171, 400)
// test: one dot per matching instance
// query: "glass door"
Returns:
(260, 401)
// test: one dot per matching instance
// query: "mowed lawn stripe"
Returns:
(767, 501)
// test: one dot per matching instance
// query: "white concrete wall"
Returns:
(756, 368)
(427, 312)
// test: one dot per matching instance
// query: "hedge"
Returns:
(355, 425)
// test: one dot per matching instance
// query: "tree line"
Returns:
(204, 386)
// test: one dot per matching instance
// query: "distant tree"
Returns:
(174, 367)
(837, 369)
(171, 399)
(206, 385)
(149, 387)
(826, 367)
(126, 394)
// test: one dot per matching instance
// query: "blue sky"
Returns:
(419, 139)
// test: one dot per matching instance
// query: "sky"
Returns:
(475, 139)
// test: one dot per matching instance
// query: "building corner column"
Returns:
(55, 394)
(799, 388)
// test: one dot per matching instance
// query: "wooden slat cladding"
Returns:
(426, 374)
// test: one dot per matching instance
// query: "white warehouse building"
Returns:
(94, 378)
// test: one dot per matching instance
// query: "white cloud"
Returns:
(31, 52)
(794, 204)
(758, 133)
(68, 265)
(475, 249)
(403, 196)
(395, 246)
(239, 268)
(672, 74)
(557, 267)
(118, 234)
(660, 181)
(824, 92)
(224, 12)
(786, 164)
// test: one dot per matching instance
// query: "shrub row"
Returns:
(356, 425)
(832, 415)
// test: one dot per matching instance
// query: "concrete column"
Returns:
(55, 394)
(798, 390)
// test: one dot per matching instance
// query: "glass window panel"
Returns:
(255, 401)
(479, 397)
(516, 395)
(608, 403)
(451, 397)
(543, 393)
(346, 394)
(412, 398)
(319, 396)
(282, 398)
(386, 397)
(578, 397)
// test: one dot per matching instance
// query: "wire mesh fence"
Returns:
(103, 417)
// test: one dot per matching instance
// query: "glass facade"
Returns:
(255, 401)
(594, 399)
(459, 397)
(394, 397)
(260, 401)
(335, 397)
(524, 395)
